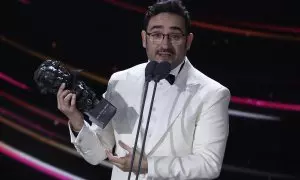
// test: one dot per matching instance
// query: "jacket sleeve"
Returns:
(92, 141)
(210, 138)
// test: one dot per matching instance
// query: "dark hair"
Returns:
(169, 6)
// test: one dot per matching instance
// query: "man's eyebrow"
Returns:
(176, 28)
(156, 27)
(161, 27)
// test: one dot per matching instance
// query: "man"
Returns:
(188, 128)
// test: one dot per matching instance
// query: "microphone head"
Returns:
(161, 71)
(150, 70)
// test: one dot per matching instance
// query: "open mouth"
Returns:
(165, 54)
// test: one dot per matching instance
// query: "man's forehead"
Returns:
(166, 21)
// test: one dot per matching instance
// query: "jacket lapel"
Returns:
(127, 102)
(137, 79)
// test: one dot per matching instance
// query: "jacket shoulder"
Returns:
(136, 70)
(209, 84)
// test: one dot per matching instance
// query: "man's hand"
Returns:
(124, 162)
(66, 103)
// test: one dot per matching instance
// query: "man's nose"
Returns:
(166, 41)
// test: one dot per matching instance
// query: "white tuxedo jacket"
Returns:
(189, 139)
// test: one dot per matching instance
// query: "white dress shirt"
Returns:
(157, 110)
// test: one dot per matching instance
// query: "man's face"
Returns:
(170, 48)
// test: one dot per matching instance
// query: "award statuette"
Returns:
(51, 74)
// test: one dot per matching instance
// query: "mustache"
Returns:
(165, 50)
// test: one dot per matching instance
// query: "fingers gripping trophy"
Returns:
(74, 96)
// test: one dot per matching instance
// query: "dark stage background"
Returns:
(252, 47)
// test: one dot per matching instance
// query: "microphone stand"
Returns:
(146, 130)
(138, 129)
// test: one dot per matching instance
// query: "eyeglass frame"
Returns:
(168, 35)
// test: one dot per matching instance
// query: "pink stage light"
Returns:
(13, 81)
(265, 104)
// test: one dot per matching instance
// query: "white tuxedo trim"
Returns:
(188, 142)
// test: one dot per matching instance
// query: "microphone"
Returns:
(160, 72)
(149, 71)
(51, 74)
(148, 77)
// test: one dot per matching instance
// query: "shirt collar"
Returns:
(176, 70)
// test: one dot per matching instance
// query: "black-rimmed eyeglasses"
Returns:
(174, 38)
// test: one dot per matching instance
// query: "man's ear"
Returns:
(189, 41)
(143, 35)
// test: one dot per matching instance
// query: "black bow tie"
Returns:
(170, 78)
